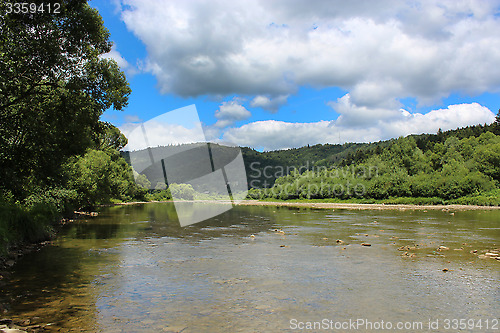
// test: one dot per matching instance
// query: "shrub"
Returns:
(182, 191)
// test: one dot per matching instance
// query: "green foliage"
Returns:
(453, 170)
(182, 191)
(53, 89)
(19, 224)
(98, 176)
(55, 154)
(159, 195)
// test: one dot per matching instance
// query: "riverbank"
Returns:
(364, 206)
(13, 250)
(332, 205)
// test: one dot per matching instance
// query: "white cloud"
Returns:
(377, 50)
(120, 60)
(160, 134)
(454, 116)
(270, 104)
(271, 135)
(231, 112)
(352, 115)
(132, 118)
(116, 56)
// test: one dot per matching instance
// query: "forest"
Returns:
(459, 166)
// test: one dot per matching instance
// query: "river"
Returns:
(263, 269)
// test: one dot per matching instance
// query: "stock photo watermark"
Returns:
(363, 324)
(311, 181)
(171, 150)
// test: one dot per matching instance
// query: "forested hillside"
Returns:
(415, 166)
(461, 166)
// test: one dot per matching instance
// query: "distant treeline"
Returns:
(460, 166)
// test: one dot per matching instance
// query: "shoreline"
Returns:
(365, 206)
(329, 205)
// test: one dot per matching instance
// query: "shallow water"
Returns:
(134, 269)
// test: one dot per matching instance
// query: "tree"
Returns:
(111, 138)
(496, 124)
(54, 86)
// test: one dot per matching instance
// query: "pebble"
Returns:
(445, 269)
(366, 244)
(441, 248)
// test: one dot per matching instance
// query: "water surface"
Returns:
(256, 268)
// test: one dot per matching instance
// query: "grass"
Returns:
(25, 225)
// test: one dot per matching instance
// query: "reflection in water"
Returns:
(252, 269)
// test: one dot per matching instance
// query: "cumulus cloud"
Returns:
(377, 50)
(353, 115)
(120, 60)
(271, 135)
(270, 104)
(230, 112)
(160, 134)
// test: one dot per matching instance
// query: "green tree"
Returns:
(496, 124)
(182, 191)
(111, 138)
(54, 86)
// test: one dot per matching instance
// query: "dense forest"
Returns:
(457, 166)
(55, 154)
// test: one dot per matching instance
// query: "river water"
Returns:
(263, 269)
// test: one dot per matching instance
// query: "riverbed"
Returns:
(262, 268)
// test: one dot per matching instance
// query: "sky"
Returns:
(278, 74)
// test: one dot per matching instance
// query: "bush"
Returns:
(18, 225)
(159, 195)
(63, 200)
(99, 176)
(182, 191)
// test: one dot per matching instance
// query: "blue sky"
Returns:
(282, 74)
